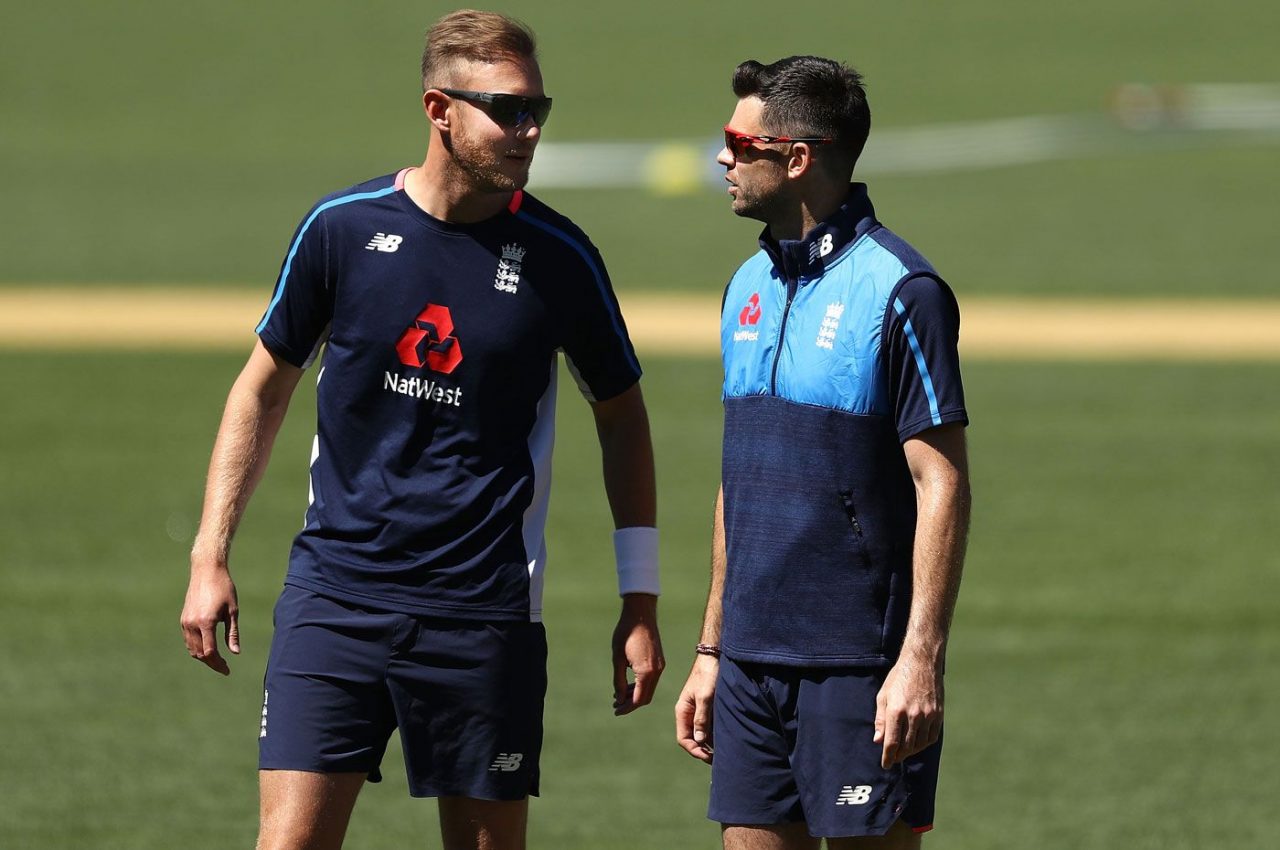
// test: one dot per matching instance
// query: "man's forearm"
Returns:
(942, 527)
(711, 618)
(626, 452)
(629, 482)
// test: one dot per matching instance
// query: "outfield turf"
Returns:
(1111, 669)
(1112, 672)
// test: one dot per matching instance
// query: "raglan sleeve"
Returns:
(922, 330)
(297, 319)
(594, 335)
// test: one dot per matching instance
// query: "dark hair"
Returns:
(475, 36)
(810, 96)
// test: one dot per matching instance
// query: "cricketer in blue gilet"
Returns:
(431, 467)
(837, 348)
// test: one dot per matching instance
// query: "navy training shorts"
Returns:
(794, 744)
(466, 695)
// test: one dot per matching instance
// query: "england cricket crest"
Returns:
(509, 268)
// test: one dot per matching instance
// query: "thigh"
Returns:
(305, 811)
(470, 824)
(899, 837)
(752, 783)
(468, 697)
(326, 707)
(783, 836)
(845, 791)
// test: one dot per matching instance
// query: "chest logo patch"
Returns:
(430, 341)
(387, 243)
(508, 276)
(748, 317)
(830, 324)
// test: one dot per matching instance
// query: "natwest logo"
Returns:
(430, 342)
(749, 316)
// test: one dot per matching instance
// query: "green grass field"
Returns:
(1112, 673)
(1110, 669)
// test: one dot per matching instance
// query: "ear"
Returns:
(801, 161)
(436, 106)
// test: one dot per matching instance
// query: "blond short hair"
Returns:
(470, 35)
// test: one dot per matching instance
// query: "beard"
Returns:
(756, 205)
(487, 169)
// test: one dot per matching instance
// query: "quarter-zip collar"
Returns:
(804, 259)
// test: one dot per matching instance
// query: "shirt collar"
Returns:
(798, 259)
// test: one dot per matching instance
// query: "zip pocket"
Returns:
(846, 499)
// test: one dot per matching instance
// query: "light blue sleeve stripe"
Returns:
(595, 270)
(920, 364)
(293, 249)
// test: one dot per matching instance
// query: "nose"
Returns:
(528, 130)
(726, 157)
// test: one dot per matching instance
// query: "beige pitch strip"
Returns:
(207, 319)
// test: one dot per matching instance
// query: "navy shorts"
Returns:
(466, 696)
(794, 744)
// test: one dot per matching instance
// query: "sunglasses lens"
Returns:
(541, 110)
(513, 110)
(736, 144)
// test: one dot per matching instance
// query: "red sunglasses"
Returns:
(739, 143)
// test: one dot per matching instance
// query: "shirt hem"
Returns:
(921, 425)
(786, 659)
(401, 606)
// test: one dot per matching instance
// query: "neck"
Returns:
(445, 192)
(814, 208)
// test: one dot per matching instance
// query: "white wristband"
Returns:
(636, 551)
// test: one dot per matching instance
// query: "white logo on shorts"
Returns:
(262, 731)
(854, 795)
(387, 243)
(506, 762)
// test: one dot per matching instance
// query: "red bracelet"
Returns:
(707, 649)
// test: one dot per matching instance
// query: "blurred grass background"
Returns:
(176, 143)
(1115, 650)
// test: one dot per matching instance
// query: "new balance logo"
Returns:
(387, 243)
(262, 730)
(506, 762)
(854, 795)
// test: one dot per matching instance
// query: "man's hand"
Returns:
(693, 708)
(636, 644)
(908, 710)
(211, 599)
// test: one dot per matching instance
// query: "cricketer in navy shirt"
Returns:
(436, 394)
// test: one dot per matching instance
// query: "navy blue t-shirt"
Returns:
(430, 470)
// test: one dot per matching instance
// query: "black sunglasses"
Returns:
(509, 110)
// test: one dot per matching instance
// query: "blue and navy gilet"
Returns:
(837, 349)
(431, 467)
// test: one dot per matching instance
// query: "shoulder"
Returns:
(558, 238)
(368, 190)
(883, 240)
(926, 292)
(541, 218)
